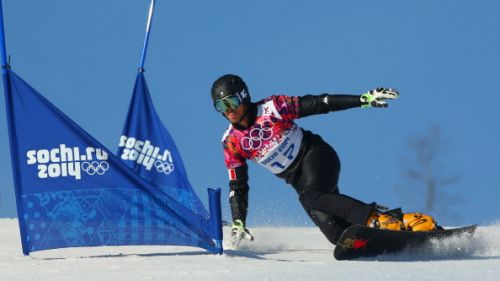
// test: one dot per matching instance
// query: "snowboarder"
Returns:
(266, 133)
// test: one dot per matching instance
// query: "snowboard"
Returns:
(360, 241)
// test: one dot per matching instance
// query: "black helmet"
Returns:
(230, 85)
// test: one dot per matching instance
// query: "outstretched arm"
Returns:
(238, 190)
(311, 105)
(238, 193)
(238, 199)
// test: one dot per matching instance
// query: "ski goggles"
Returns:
(226, 103)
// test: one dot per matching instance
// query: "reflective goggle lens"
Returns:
(230, 102)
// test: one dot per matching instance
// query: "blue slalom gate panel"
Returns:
(147, 147)
(71, 191)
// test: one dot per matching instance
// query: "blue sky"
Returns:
(441, 55)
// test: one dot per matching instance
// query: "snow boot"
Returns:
(382, 220)
(419, 222)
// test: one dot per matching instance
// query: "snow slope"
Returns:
(277, 254)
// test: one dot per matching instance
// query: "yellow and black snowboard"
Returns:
(360, 241)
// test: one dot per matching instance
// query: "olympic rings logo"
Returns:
(257, 136)
(95, 167)
(164, 167)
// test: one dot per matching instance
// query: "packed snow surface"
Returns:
(276, 254)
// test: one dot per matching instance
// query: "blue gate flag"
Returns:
(147, 147)
(71, 191)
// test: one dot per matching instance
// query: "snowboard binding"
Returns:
(396, 220)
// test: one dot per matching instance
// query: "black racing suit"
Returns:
(314, 174)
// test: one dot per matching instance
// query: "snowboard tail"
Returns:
(361, 241)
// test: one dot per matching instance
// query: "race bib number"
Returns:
(283, 154)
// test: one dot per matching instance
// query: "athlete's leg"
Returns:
(330, 227)
(337, 205)
(317, 186)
